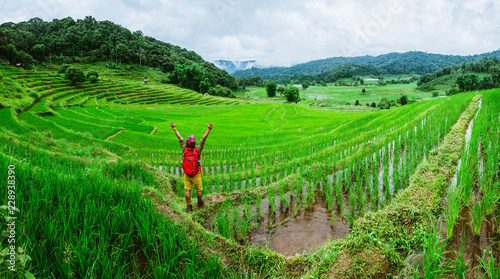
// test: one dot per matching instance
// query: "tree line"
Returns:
(469, 76)
(412, 62)
(88, 40)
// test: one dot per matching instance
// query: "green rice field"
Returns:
(94, 186)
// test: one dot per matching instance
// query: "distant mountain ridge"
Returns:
(416, 62)
(232, 66)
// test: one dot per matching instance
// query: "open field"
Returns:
(336, 97)
(100, 193)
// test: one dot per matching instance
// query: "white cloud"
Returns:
(286, 32)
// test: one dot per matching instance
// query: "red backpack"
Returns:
(190, 161)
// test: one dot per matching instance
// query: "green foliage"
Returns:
(305, 85)
(435, 94)
(63, 68)
(89, 40)
(75, 75)
(92, 73)
(452, 91)
(93, 79)
(188, 76)
(271, 89)
(281, 90)
(468, 82)
(221, 91)
(292, 94)
(403, 100)
(33, 94)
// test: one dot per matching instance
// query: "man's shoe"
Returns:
(189, 208)
(200, 204)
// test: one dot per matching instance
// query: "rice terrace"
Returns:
(359, 171)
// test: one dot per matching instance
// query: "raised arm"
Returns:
(173, 125)
(209, 128)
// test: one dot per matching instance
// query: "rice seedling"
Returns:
(245, 224)
(453, 210)
(332, 220)
(329, 197)
(258, 209)
(234, 224)
(312, 192)
(271, 198)
(460, 266)
(434, 264)
(487, 262)
(476, 217)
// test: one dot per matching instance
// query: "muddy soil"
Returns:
(310, 229)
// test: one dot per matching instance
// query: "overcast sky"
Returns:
(283, 33)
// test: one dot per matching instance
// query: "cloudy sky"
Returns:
(283, 33)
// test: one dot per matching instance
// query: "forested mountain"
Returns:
(88, 40)
(413, 62)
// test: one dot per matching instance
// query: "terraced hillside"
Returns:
(100, 192)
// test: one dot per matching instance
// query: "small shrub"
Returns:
(33, 94)
(18, 95)
(64, 104)
(452, 91)
(63, 68)
(75, 75)
(93, 79)
(49, 104)
(435, 94)
(92, 73)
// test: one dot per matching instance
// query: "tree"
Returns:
(292, 94)
(3, 38)
(373, 105)
(467, 82)
(305, 85)
(356, 103)
(281, 89)
(38, 51)
(221, 91)
(403, 100)
(122, 52)
(271, 89)
(452, 91)
(92, 73)
(75, 75)
(63, 68)
(363, 91)
(495, 75)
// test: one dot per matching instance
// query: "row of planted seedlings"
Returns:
(241, 158)
(271, 150)
(237, 219)
(237, 178)
(370, 182)
(472, 207)
(219, 167)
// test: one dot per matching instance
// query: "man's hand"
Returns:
(210, 126)
(173, 125)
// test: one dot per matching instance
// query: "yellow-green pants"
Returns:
(189, 181)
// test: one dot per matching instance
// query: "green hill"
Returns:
(87, 40)
(413, 62)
